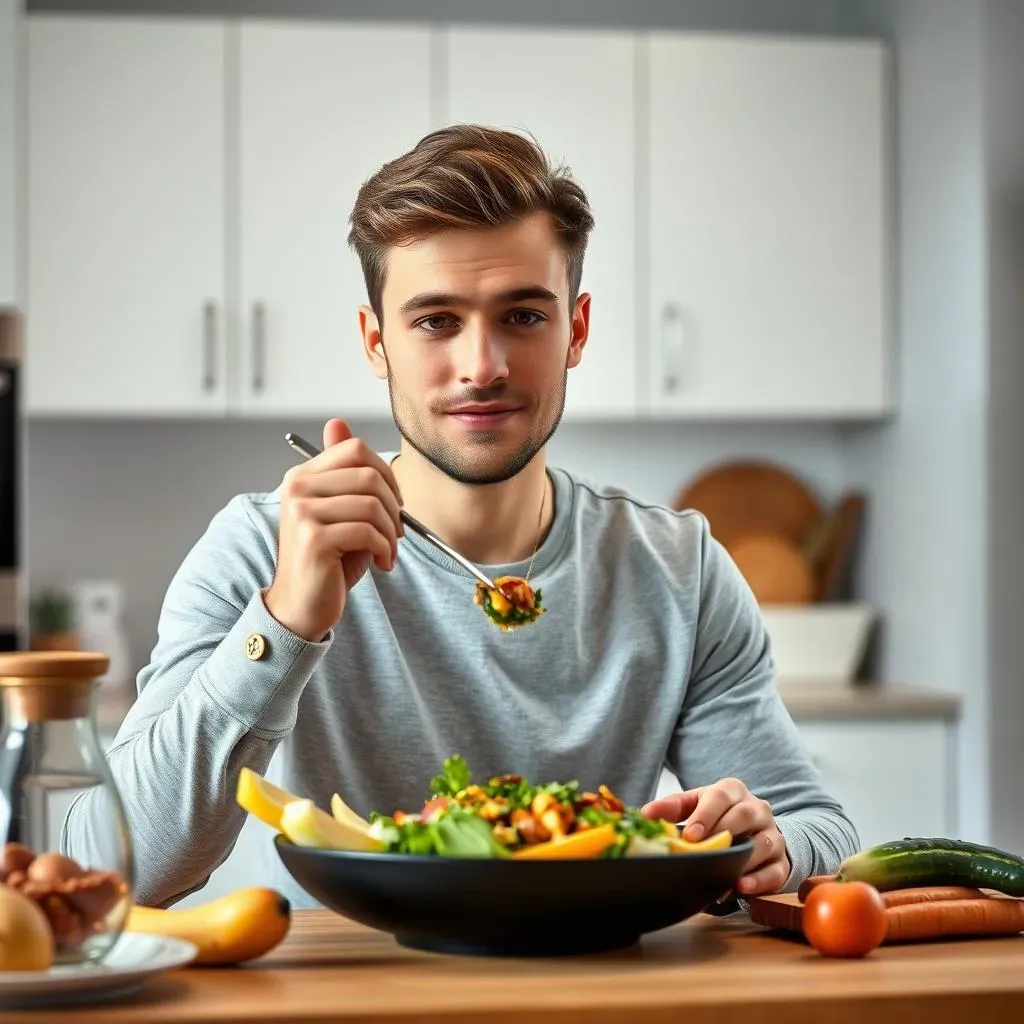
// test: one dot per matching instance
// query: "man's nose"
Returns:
(481, 356)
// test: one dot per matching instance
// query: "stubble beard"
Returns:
(451, 459)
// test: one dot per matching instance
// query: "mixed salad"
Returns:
(507, 816)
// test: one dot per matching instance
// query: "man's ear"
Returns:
(580, 330)
(373, 343)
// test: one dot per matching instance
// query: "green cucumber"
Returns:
(905, 863)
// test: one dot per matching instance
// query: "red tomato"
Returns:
(432, 806)
(844, 918)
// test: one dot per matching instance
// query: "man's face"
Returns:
(478, 338)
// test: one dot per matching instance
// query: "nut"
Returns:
(492, 810)
(66, 925)
(95, 894)
(529, 828)
(610, 800)
(506, 780)
(15, 858)
(75, 900)
(53, 867)
(506, 834)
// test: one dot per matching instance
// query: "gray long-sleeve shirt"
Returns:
(652, 653)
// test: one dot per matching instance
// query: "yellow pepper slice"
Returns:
(261, 798)
(589, 843)
(719, 841)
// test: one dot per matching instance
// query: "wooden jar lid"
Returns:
(16, 666)
(42, 686)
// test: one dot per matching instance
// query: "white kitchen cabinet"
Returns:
(574, 91)
(189, 183)
(321, 106)
(126, 242)
(768, 222)
(894, 777)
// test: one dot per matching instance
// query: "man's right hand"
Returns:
(339, 511)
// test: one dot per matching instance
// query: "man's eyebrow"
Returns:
(431, 300)
(532, 291)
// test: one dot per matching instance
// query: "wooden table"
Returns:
(705, 971)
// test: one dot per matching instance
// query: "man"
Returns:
(308, 626)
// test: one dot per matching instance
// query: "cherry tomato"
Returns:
(844, 918)
(437, 803)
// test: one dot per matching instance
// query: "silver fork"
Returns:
(309, 451)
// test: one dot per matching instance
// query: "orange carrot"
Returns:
(812, 883)
(899, 897)
(990, 915)
(930, 894)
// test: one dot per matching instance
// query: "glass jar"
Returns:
(50, 758)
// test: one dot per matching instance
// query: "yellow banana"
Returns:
(239, 926)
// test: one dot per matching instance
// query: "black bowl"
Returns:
(515, 908)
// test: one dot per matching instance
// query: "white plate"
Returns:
(133, 960)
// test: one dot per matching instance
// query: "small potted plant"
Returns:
(52, 622)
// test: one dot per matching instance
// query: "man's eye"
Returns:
(435, 323)
(525, 317)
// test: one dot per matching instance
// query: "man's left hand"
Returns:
(728, 804)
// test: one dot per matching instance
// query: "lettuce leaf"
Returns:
(455, 777)
(454, 833)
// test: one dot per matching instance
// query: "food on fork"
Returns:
(512, 605)
(506, 817)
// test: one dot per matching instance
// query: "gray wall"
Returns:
(1004, 83)
(925, 556)
(944, 556)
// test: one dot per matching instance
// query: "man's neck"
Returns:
(490, 524)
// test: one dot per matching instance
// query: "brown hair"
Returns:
(465, 176)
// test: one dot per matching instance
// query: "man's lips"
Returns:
(489, 412)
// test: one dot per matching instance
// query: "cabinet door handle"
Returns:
(209, 346)
(671, 345)
(259, 345)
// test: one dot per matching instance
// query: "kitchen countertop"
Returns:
(866, 700)
(704, 971)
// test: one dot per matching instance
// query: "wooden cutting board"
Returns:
(834, 578)
(745, 496)
(783, 911)
(774, 568)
